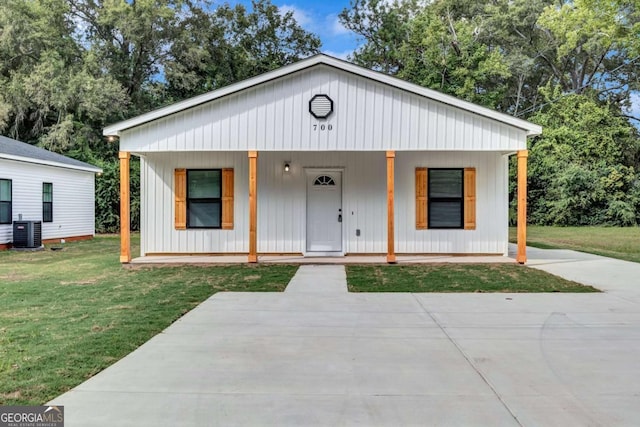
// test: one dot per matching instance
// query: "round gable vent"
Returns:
(321, 106)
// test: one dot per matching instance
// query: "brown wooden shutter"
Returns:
(470, 198)
(180, 196)
(227, 199)
(421, 199)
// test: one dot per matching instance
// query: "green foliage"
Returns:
(453, 56)
(587, 47)
(583, 169)
(383, 27)
(233, 44)
(108, 196)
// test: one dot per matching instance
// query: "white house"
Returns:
(323, 157)
(39, 185)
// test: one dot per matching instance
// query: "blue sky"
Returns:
(321, 18)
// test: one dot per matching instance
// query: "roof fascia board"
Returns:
(116, 128)
(49, 163)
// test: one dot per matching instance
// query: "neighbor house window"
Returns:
(5, 201)
(204, 198)
(47, 202)
(446, 198)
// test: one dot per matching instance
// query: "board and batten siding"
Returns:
(282, 203)
(492, 200)
(368, 116)
(73, 199)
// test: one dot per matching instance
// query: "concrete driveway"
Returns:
(334, 358)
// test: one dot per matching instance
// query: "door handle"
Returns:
(339, 215)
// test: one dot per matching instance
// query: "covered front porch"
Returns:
(266, 171)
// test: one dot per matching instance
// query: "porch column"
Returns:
(522, 206)
(253, 206)
(391, 255)
(125, 216)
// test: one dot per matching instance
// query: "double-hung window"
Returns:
(47, 202)
(5, 201)
(446, 198)
(204, 198)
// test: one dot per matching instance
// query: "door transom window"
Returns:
(324, 180)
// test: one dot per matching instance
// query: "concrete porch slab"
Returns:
(299, 259)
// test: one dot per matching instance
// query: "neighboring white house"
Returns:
(323, 157)
(39, 185)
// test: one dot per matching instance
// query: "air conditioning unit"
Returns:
(27, 234)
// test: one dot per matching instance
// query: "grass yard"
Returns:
(67, 315)
(615, 242)
(457, 278)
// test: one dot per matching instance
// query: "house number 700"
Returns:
(323, 127)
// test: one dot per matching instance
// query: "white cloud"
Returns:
(339, 55)
(300, 15)
(335, 26)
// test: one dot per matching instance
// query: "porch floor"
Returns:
(299, 259)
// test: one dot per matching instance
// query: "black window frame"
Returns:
(217, 200)
(46, 218)
(8, 202)
(431, 200)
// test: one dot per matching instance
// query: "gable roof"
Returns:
(116, 128)
(15, 150)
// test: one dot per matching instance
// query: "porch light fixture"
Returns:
(286, 167)
(321, 106)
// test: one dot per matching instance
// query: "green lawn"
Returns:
(457, 278)
(616, 242)
(67, 315)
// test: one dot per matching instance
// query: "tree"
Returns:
(584, 168)
(384, 27)
(132, 40)
(54, 91)
(588, 45)
(450, 52)
(232, 44)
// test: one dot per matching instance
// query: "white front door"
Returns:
(324, 211)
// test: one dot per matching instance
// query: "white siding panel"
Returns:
(73, 199)
(282, 199)
(158, 233)
(367, 116)
(491, 232)
(282, 203)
